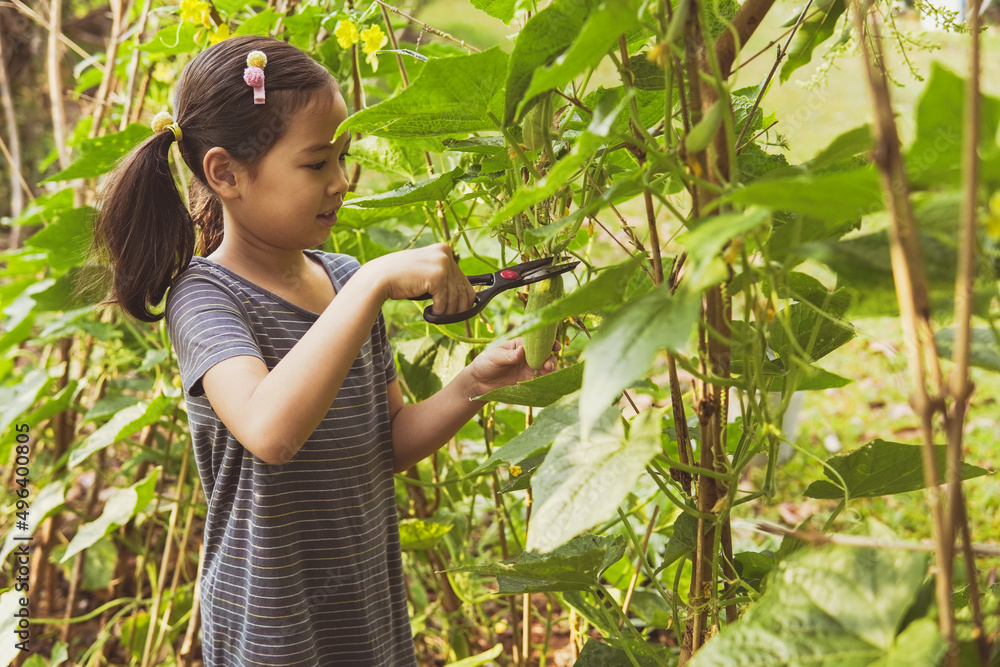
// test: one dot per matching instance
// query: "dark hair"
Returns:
(142, 226)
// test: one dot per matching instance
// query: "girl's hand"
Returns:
(503, 366)
(431, 270)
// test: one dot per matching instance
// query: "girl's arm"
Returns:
(420, 429)
(273, 413)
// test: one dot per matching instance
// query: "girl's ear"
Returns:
(222, 172)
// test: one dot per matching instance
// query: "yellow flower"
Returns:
(372, 59)
(515, 471)
(374, 38)
(195, 11)
(993, 216)
(347, 34)
(219, 34)
(659, 54)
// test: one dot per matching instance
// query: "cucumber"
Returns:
(538, 343)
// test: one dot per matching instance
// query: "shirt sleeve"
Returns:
(206, 325)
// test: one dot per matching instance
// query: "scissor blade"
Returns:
(544, 272)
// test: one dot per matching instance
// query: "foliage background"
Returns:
(115, 499)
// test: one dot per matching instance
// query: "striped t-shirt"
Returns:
(302, 560)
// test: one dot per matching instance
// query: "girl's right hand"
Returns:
(429, 270)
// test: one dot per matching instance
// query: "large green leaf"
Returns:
(120, 507)
(122, 425)
(540, 391)
(599, 654)
(435, 188)
(811, 34)
(389, 156)
(984, 349)
(417, 534)
(428, 364)
(590, 44)
(44, 503)
(548, 423)
(544, 36)
(99, 154)
(626, 344)
(450, 96)
(574, 566)
(833, 197)
(585, 478)
(499, 9)
(66, 238)
(934, 157)
(830, 607)
(816, 334)
(18, 398)
(480, 659)
(882, 468)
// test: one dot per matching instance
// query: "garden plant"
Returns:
(595, 504)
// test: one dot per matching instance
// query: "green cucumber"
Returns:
(538, 343)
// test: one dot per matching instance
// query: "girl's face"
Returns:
(292, 201)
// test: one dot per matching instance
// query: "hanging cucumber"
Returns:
(538, 343)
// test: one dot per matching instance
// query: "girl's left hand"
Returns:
(505, 365)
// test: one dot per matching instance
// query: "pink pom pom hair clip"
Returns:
(254, 74)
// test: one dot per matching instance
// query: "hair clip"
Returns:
(254, 74)
(164, 121)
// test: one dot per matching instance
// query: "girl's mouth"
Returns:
(329, 218)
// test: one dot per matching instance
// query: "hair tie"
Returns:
(254, 74)
(164, 121)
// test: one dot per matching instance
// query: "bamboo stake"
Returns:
(109, 68)
(911, 294)
(133, 67)
(53, 57)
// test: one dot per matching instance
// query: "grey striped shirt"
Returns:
(302, 560)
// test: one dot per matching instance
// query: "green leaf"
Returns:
(450, 96)
(428, 364)
(120, 507)
(844, 147)
(585, 478)
(574, 566)
(388, 156)
(435, 188)
(683, 540)
(836, 606)
(544, 36)
(703, 132)
(833, 197)
(919, 645)
(601, 30)
(564, 171)
(708, 236)
(122, 425)
(882, 468)
(548, 423)
(262, 23)
(66, 238)
(498, 9)
(417, 534)
(17, 399)
(598, 654)
(44, 503)
(934, 157)
(477, 660)
(626, 344)
(984, 349)
(816, 334)
(811, 33)
(99, 154)
(540, 391)
(605, 292)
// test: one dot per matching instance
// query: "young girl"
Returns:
(297, 420)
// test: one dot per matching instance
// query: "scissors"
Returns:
(497, 282)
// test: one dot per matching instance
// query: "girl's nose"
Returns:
(339, 183)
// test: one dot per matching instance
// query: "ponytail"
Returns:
(143, 228)
(206, 211)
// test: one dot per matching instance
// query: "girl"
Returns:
(296, 417)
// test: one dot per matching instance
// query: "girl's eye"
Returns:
(318, 165)
(344, 156)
